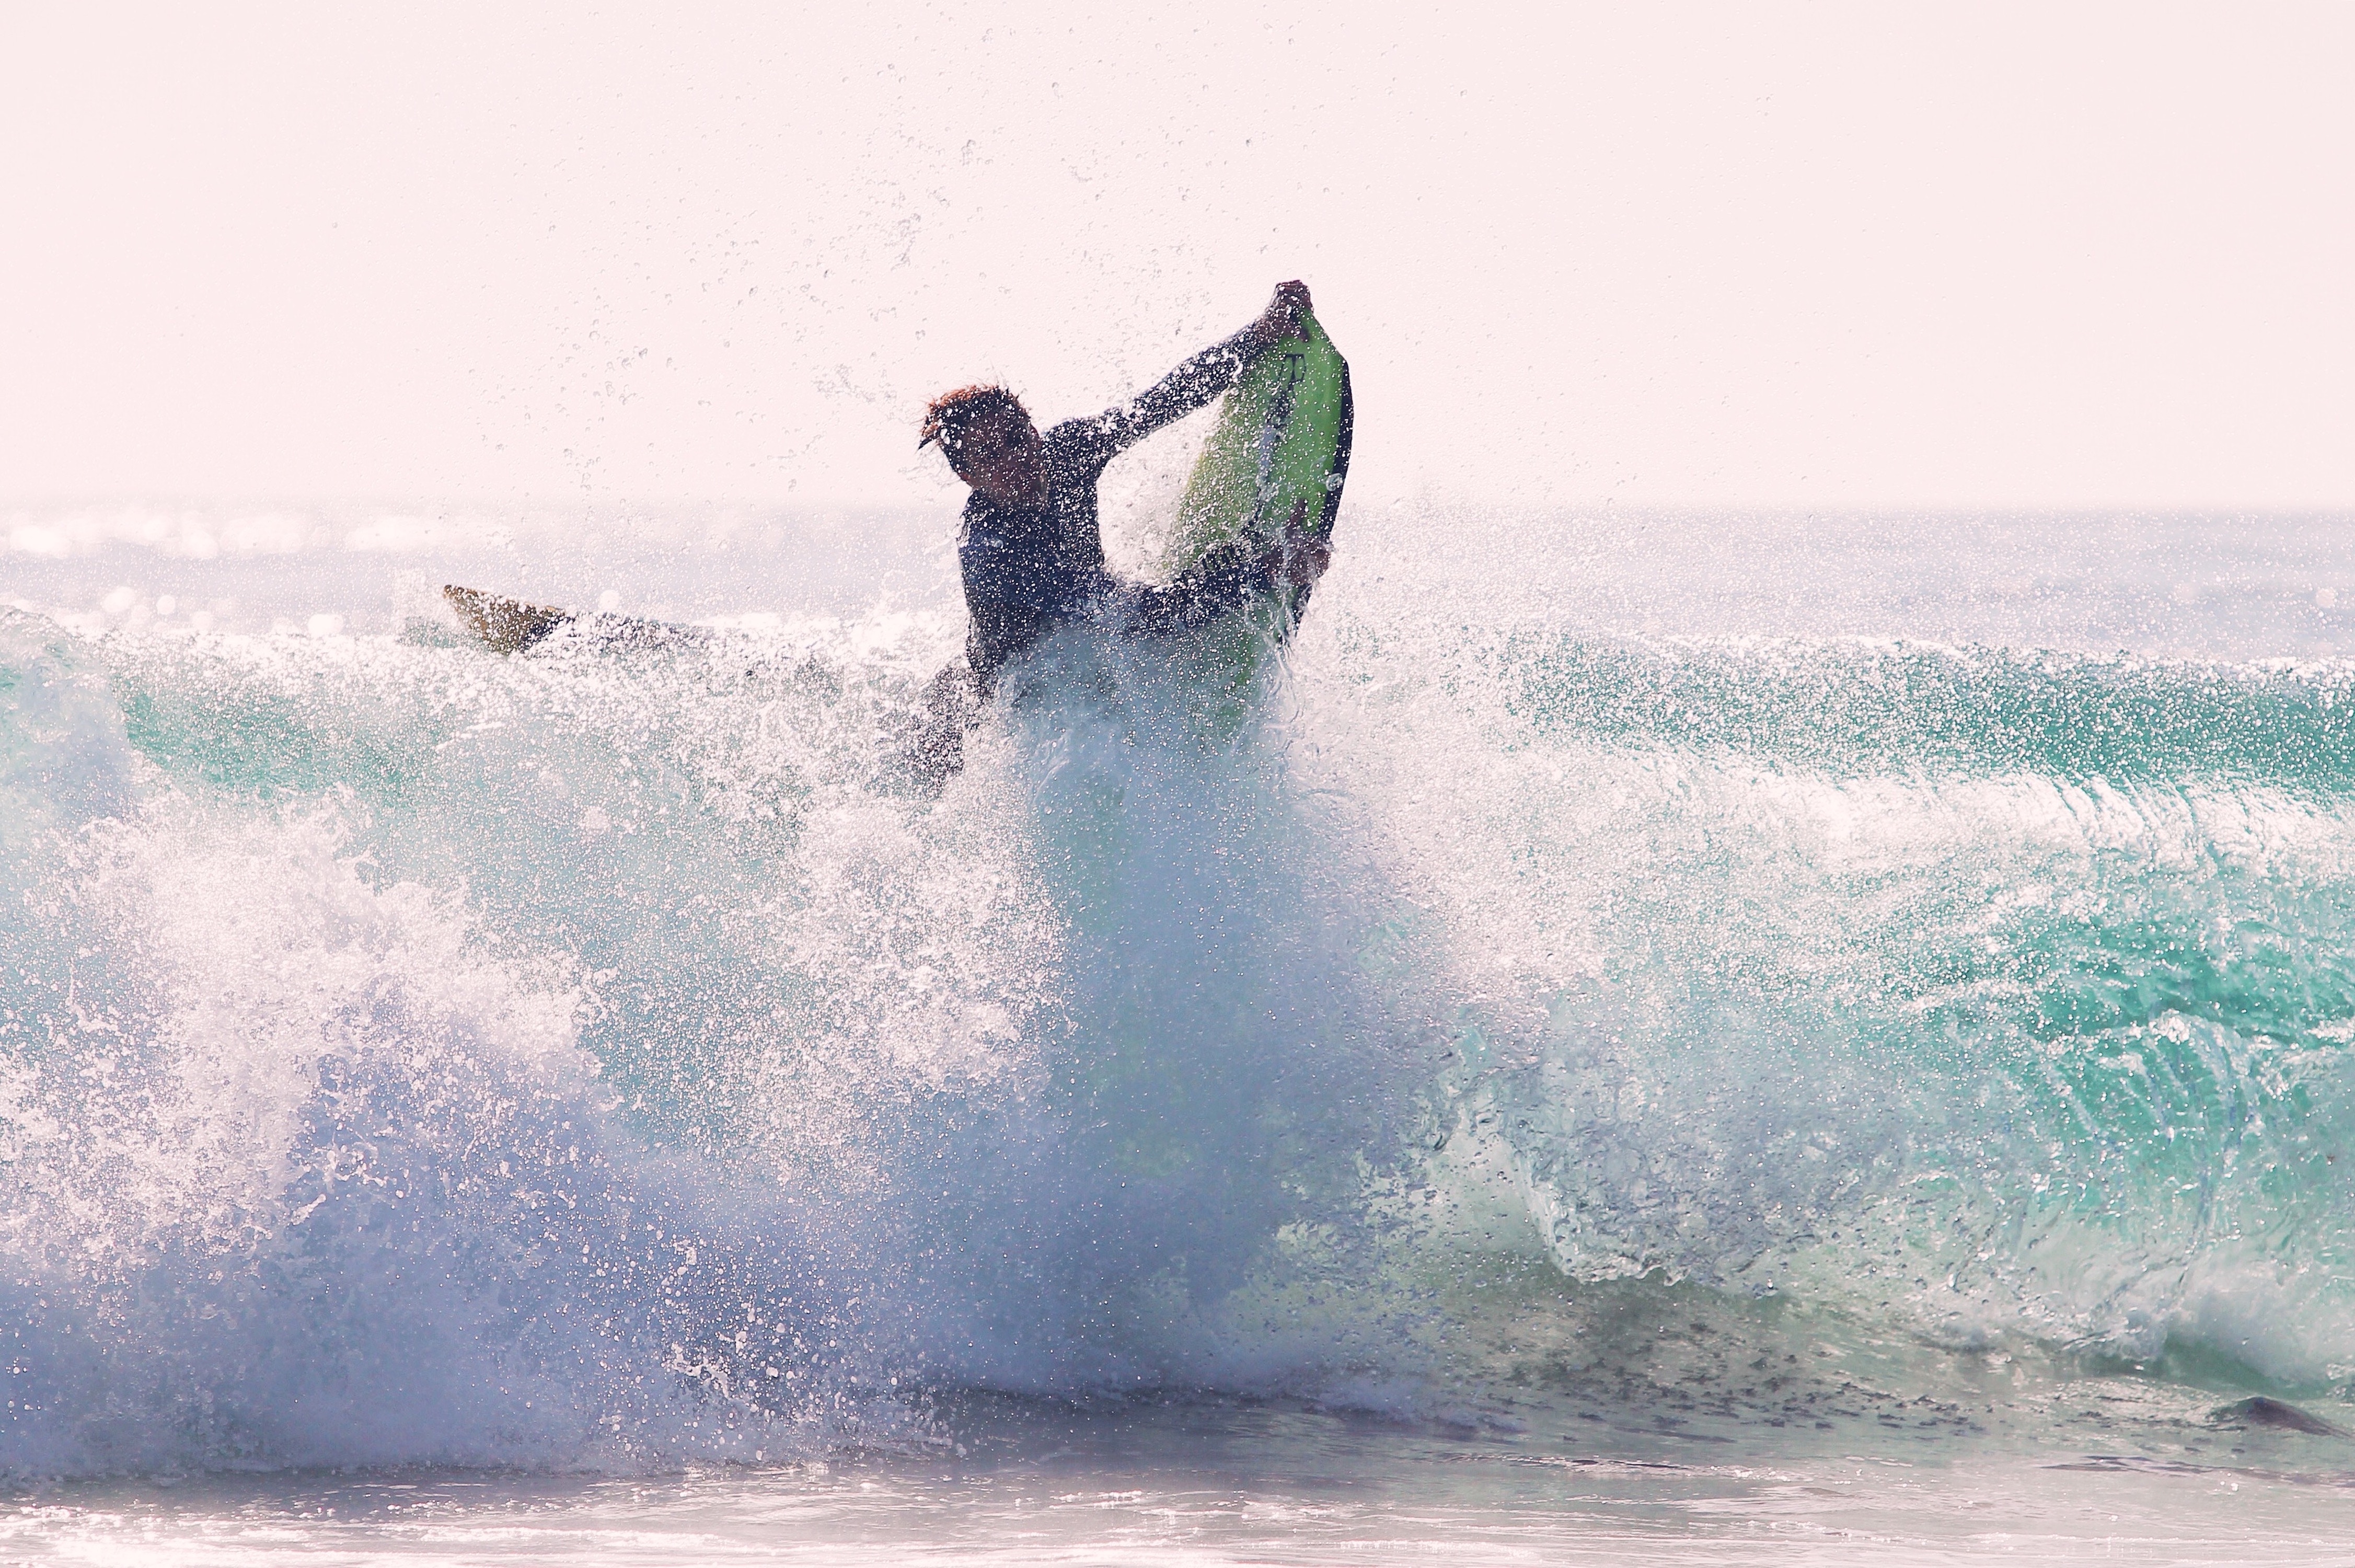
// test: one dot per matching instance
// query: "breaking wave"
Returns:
(595, 1059)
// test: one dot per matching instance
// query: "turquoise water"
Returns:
(1649, 1035)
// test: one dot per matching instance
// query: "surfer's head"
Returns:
(987, 437)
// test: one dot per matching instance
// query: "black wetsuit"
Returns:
(1029, 570)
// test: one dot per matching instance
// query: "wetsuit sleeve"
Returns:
(1189, 387)
(1223, 579)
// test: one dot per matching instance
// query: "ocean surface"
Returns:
(1645, 1038)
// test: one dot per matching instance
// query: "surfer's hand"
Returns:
(1299, 558)
(1282, 318)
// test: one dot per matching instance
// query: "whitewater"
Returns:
(1644, 1037)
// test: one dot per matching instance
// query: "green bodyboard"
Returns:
(1281, 445)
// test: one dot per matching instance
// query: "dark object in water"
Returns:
(2263, 1411)
(505, 626)
(510, 626)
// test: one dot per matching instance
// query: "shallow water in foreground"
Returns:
(1765, 1037)
(1206, 1483)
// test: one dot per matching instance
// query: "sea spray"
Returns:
(415, 1055)
(522, 1062)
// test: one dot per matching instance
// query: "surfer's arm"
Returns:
(1223, 579)
(1200, 379)
(1226, 578)
(1189, 387)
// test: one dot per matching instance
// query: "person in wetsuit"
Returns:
(1030, 551)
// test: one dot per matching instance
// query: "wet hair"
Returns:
(951, 416)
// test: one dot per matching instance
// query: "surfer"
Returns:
(1030, 551)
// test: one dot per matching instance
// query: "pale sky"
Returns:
(1838, 256)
